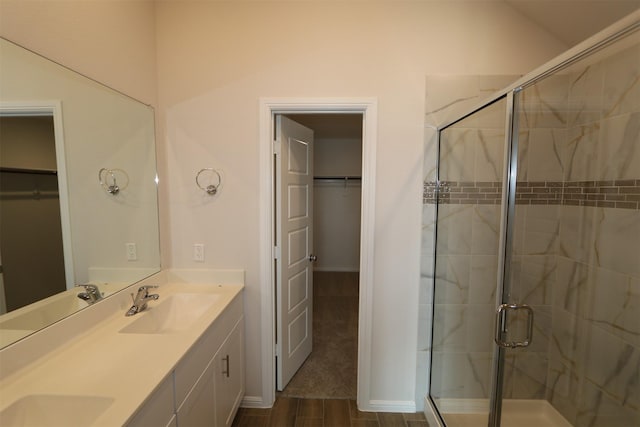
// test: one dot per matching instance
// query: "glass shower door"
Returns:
(469, 209)
(574, 255)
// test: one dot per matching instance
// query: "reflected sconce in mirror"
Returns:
(108, 181)
(209, 180)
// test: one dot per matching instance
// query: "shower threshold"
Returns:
(515, 413)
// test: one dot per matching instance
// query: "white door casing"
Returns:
(268, 108)
(293, 151)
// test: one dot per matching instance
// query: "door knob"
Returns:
(313, 258)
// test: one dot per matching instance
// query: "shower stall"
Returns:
(536, 278)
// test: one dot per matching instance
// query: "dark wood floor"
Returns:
(295, 412)
(322, 393)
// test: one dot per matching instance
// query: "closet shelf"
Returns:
(345, 178)
(31, 171)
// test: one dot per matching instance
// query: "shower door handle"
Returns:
(501, 316)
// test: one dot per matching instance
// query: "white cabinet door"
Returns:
(229, 376)
(199, 409)
(158, 410)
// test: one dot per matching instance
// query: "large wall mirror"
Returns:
(78, 192)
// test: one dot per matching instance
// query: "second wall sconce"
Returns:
(209, 180)
(107, 178)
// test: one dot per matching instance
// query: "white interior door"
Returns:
(293, 150)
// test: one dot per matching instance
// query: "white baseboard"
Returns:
(254, 402)
(408, 406)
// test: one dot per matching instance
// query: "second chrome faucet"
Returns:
(91, 294)
(141, 299)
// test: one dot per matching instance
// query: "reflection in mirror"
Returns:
(60, 226)
(30, 225)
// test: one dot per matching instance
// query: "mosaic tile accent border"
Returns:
(621, 194)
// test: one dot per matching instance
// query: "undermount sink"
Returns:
(176, 313)
(42, 409)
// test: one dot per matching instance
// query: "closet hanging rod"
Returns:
(26, 194)
(32, 171)
(338, 177)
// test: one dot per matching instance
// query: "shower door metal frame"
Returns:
(435, 246)
(503, 280)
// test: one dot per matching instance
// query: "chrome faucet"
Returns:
(141, 299)
(91, 294)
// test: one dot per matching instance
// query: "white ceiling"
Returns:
(572, 21)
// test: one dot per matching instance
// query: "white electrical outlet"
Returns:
(198, 252)
(132, 251)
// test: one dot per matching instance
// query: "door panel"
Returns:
(294, 237)
(299, 331)
(298, 242)
(298, 289)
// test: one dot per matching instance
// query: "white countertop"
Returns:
(125, 367)
(24, 321)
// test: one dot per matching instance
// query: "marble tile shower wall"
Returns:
(576, 255)
(581, 258)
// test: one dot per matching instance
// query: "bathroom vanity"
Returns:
(69, 356)
(180, 362)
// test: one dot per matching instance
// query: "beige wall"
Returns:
(110, 41)
(216, 59)
(336, 204)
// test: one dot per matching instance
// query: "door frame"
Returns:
(54, 109)
(268, 108)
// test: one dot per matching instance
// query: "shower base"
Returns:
(515, 413)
